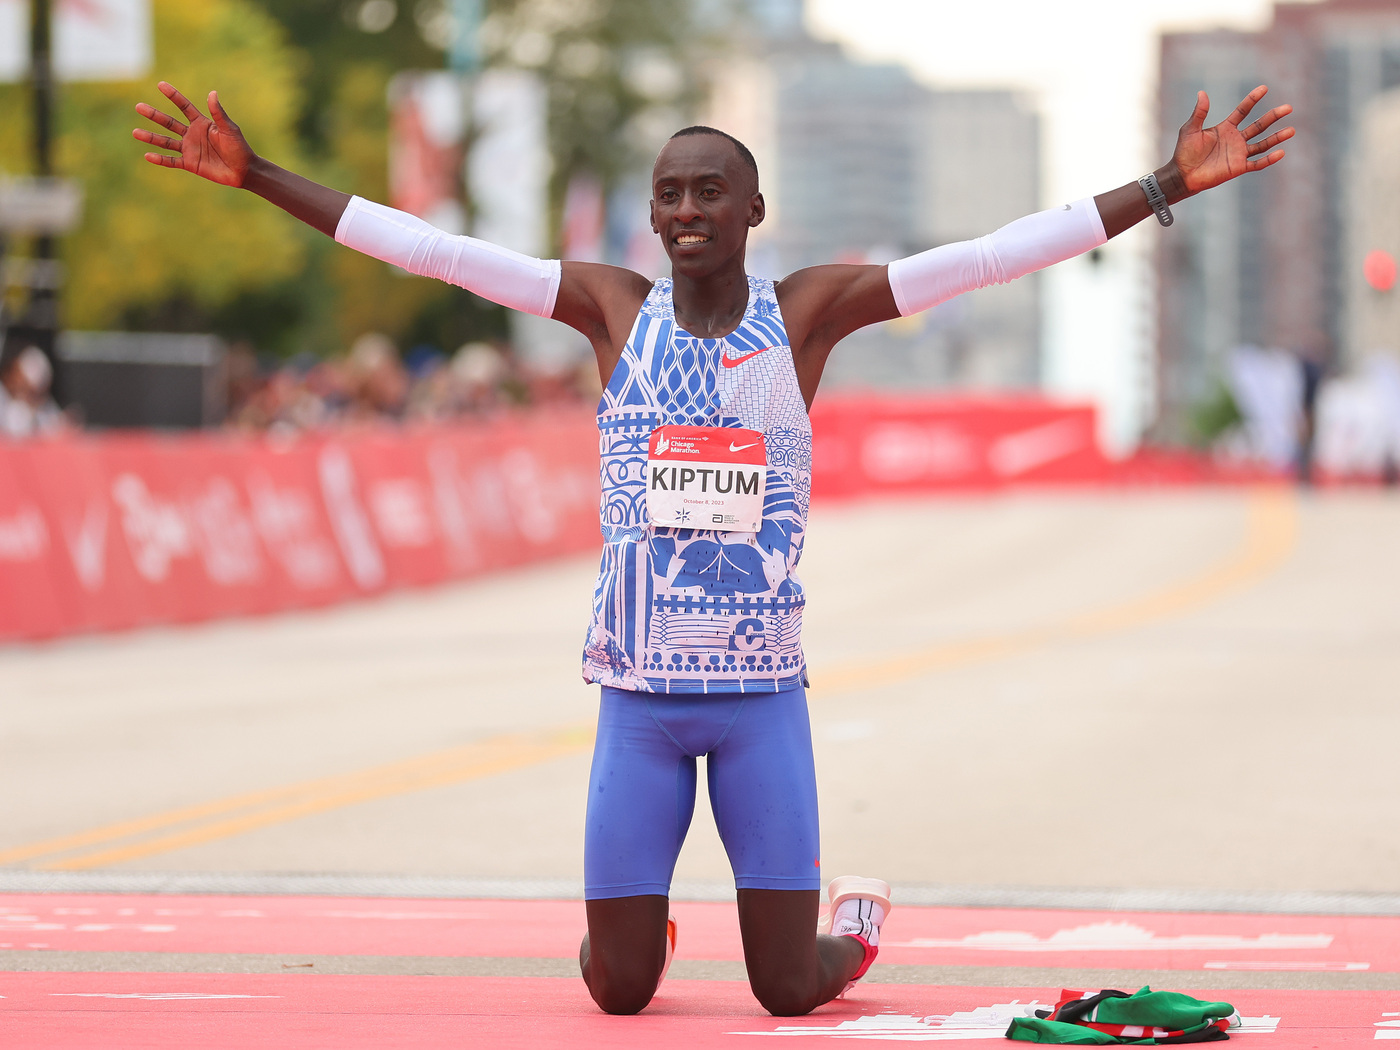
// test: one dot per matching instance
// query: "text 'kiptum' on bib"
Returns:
(706, 478)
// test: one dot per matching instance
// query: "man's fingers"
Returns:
(162, 141)
(165, 161)
(217, 112)
(221, 118)
(1275, 114)
(1259, 163)
(1256, 148)
(1197, 120)
(1249, 102)
(188, 108)
(163, 119)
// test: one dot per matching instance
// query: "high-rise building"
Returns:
(1269, 260)
(860, 162)
(1373, 304)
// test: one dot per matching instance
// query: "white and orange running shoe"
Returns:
(858, 907)
(670, 948)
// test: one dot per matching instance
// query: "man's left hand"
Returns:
(1206, 157)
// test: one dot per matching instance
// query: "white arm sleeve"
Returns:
(1018, 248)
(492, 272)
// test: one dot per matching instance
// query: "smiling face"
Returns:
(704, 200)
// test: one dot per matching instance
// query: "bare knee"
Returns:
(624, 952)
(618, 985)
(784, 997)
(618, 994)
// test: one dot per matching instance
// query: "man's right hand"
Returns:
(213, 149)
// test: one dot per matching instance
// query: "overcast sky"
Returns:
(1092, 65)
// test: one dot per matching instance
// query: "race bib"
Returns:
(706, 478)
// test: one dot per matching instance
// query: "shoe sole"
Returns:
(847, 887)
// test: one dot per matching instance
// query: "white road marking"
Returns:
(1342, 967)
(984, 1022)
(89, 927)
(158, 995)
(396, 915)
(1117, 937)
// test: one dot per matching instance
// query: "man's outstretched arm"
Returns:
(826, 303)
(594, 299)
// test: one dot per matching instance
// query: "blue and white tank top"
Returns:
(692, 610)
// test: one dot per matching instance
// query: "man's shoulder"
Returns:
(605, 277)
(820, 284)
(614, 292)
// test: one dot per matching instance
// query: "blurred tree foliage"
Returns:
(621, 74)
(307, 80)
(1213, 416)
(154, 241)
(343, 128)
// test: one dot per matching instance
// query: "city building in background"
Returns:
(862, 163)
(1277, 261)
(1373, 228)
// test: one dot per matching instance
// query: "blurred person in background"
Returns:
(378, 380)
(479, 373)
(283, 399)
(328, 382)
(430, 393)
(470, 382)
(26, 407)
(242, 380)
(696, 632)
(1313, 360)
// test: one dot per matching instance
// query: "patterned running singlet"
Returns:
(691, 610)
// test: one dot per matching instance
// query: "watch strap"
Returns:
(1156, 199)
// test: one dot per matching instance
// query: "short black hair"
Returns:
(740, 148)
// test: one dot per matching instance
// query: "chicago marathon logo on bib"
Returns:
(706, 478)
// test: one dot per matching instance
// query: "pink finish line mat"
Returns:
(552, 929)
(77, 1011)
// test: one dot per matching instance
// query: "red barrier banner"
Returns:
(116, 531)
(881, 444)
(27, 542)
(121, 530)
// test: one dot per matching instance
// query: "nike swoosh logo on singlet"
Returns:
(735, 362)
(739, 448)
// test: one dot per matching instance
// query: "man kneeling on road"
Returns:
(696, 628)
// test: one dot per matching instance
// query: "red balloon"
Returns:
(1380, 270)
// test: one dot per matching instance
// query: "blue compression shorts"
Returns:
(641, 792)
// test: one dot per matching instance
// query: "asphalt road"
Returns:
(1186, 689)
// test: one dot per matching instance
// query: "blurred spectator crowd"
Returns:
(26, 402)
(1287, 412)
(374, 382)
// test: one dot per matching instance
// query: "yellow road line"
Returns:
(1269, 540)
(132, 827)
(473, 761)
(185, 814)
(1270, 536)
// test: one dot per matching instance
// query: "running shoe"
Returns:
(854, 887)
(670, 948)
(847, 887)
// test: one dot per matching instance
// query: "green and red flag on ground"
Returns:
(1143, 1018)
